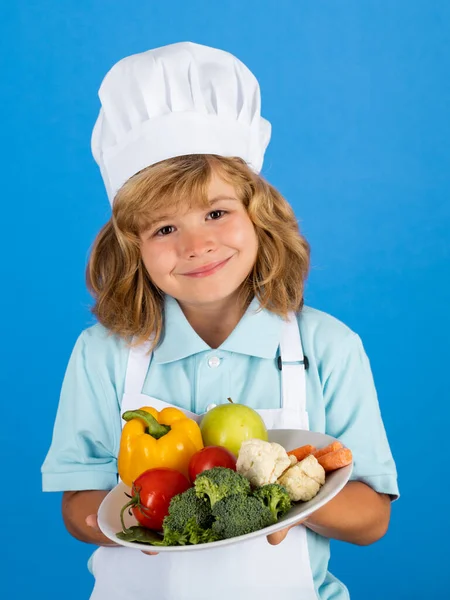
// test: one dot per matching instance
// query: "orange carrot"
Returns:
(330, 448)
(302, 452)
(336, 459)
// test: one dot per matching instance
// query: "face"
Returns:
(201, 256)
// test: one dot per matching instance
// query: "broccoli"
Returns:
(238, 514)
(192, 533)
(275, 497)
(184, 507)
(188, 522)
(220, 482)
(197, 535)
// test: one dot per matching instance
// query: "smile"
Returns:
(207, 269)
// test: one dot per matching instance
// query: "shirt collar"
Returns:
(258, 333)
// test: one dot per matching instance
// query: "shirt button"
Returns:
(214, 362)
(210, 406)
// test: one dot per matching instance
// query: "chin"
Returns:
(212, 297)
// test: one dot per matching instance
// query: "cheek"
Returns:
(157, 263)
(245, 238)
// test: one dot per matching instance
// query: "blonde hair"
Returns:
(126, 300)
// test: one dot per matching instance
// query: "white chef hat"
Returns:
(176, 100)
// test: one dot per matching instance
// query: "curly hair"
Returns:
(126, 300)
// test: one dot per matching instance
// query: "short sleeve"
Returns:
(353, 416)
(82, 454)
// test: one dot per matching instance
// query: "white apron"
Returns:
(252, 570)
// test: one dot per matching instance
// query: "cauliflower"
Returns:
(304, 479)
(262, 462)
(293, 459)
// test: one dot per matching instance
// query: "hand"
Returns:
(276, 538)
(91, 521)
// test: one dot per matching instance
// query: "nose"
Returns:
(196, 243)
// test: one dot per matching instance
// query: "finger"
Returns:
(276, 538)
(91, 521)
(150, 553)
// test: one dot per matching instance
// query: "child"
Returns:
(198, 282)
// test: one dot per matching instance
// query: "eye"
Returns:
(216, 214)
(166, 230)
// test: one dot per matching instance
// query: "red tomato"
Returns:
(154, 490)
(209, 457)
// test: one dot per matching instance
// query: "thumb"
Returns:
(91, 521)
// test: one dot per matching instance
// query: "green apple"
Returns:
(229, 425)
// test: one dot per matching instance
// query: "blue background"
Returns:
(358, 94)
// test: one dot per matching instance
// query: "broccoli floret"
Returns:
(275, 497)
(238, 514)
(189, 521)
(184, 507)
(192, 533)
(220, 482)
(198, 535)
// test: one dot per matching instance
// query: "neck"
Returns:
(214, 323)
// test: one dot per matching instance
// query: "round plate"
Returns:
(109, 511)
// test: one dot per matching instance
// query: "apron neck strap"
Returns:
(291, 349)
(293, 380)
(139, 359)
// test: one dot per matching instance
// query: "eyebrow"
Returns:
(220, 198)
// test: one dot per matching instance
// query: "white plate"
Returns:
(109, 511)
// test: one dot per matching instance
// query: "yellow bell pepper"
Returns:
(152, 439)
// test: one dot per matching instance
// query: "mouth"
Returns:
(207, 270)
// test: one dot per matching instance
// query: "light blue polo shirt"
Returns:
(186, 372)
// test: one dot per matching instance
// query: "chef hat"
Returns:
(176, 100)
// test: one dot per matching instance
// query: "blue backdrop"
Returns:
(358, 94)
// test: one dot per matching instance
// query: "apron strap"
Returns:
(293, 380)
(139, 359)
(291, 348)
